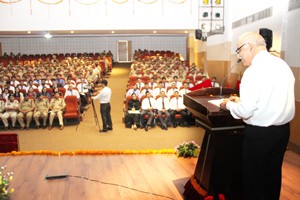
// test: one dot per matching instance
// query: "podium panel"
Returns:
(219, 165)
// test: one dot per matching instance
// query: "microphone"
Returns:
(221, 86)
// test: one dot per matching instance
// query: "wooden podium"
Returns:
(219, 166)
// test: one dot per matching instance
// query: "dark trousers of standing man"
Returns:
(105, 115)
(263, 152)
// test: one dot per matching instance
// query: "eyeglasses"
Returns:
(238, 50)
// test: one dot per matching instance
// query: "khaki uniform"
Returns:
(10, 113)
(57, 106)
(2, 104)
(41, 109)
(25, 110)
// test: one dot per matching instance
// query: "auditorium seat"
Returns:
(72, 109)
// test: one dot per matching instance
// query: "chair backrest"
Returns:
(126, 102)
(50, 90)
(71, 104)
(62, 90)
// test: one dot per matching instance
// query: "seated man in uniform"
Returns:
(57, 106)
(41, 109)
(148, 107)
(11, 107)
(177, 107)
(26, 107)
(162, 105)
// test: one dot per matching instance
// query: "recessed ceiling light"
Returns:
(71, 32)
(112, 32)
(48, 36)
(28, 32)
(154, 31)
(185, 31)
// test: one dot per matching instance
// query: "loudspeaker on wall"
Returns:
(198, 34)
(267, 34)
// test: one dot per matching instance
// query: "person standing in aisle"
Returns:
(267, 106)
(104, 97)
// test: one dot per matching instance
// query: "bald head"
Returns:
(252, 38)
(249, 44)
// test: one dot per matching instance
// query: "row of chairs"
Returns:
(132, 80)
(44, 57)
(71, 112)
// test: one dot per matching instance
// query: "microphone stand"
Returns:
(221, 86)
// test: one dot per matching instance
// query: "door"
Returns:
(124, 51)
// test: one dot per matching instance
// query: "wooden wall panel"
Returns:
(295, 127)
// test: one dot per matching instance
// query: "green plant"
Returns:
(5, 179)
(187, 149)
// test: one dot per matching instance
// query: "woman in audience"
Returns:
(31, 93)
(45, 93)
(18, 94)
(5, 93)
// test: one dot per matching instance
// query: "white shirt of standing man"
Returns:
(104, 95)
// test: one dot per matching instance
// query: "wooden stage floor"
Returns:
(115, 177)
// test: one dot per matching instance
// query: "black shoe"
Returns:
(109, 128)
(166, 127)
(146, 128)
(174, 125)
(37, 127)
(103, 130)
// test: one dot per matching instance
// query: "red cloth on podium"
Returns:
(204, 84)
(237, 85)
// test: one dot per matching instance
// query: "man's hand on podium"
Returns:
(232, 98)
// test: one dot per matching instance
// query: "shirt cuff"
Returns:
(230, 106)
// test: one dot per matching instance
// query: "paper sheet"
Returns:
(216, 102)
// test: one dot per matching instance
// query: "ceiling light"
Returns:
(154, 31)
(71, 32)
(112, 32)
(48, 36)
(28, 32)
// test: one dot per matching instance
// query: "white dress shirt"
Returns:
(266, 92)
(72, 93)
(177, 103)
(159, 103)
(146, 103)
(184, 91)
(132, 90)
(104, 95)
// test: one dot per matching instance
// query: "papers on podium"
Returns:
(216, 102)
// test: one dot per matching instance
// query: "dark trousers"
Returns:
(263, 152)
(83, 102)
(163, 122)
(183, 114)
(134, 118)
(105, 115)
(150, 119)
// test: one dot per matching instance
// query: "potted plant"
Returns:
(5, 179)
(187, 149)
